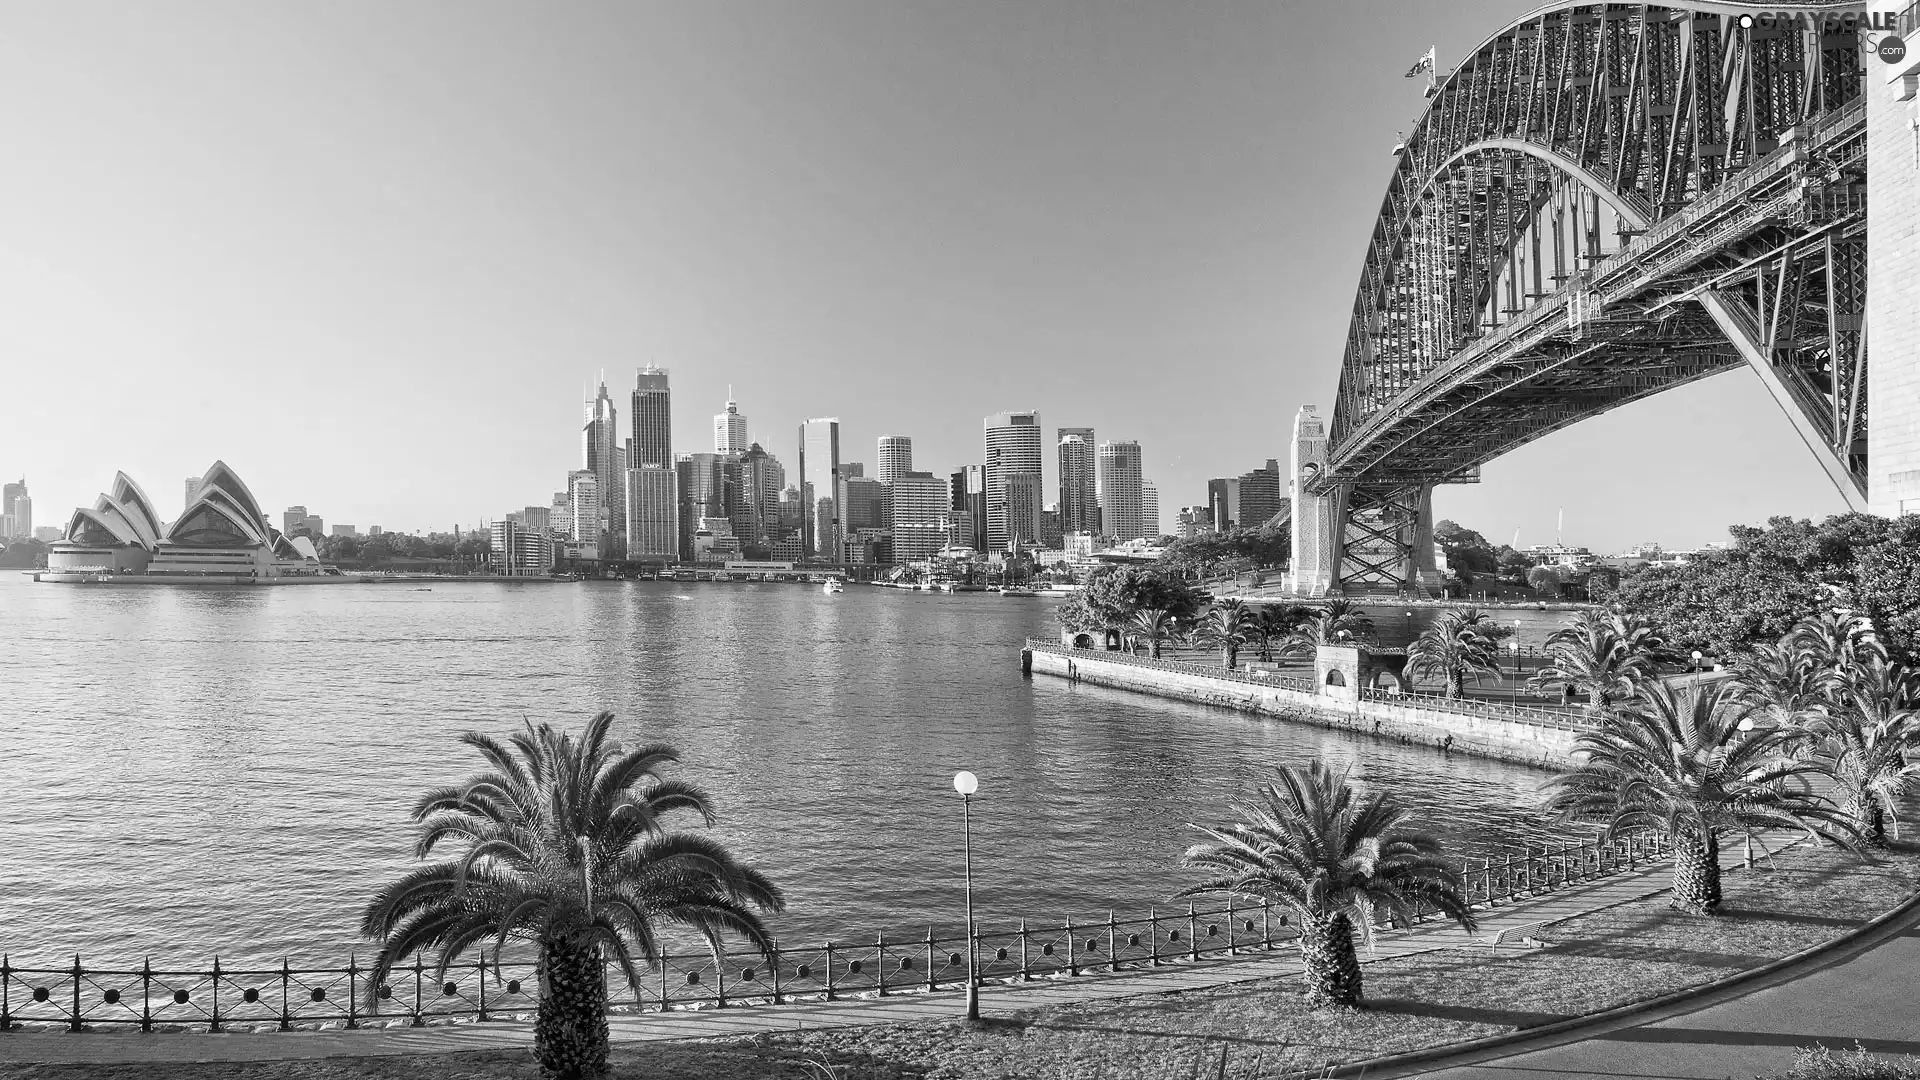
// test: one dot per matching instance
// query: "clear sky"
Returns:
(371, 253)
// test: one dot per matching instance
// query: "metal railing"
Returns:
(285, 998)
(1495, 710)
(1267, 679)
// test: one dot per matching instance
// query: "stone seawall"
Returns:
(1496, 737)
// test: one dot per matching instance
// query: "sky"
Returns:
(373, 255)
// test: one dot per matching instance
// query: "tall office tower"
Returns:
(653, 514)
(10, 498)
(316, 526)
(793, 516)
(601, 455)
(1079, 487)
(919, 507)
(709, 486)
(1262, 495)
(292, 519)
(730, 429)
(533, 517)
(851, 469)
(967, 487)
(821, 480)
(896, 457)
(1150, 510)
(1013, 449)
(1192, 521)
(652, 441)
(583, 494)
(560, 513)
(1051, 535)
(762, 479)
(193, 488)
(519, 550)
(865, 505)
(1120, 495)
(1223, 503)
(1023, 510)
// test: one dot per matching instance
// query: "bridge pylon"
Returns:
(1356, 538)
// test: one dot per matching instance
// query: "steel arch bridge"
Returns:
(1602, 202)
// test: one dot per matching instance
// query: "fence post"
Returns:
(776, 972)
(664, 989)
(146, 994)
(74, 1025)
(1073, 965)
(880, 963)
(1113, 954)
(286, 1020)
(720, 979)
(1232, 950)
(1026, 969)
(214, 1024)
(1193, 935)
(479, 967)
(829, 971)
(6, 993)
(930, 986)
(419, 976)
(1153, 932)
(1266, 924)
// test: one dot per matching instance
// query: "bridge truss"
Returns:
(1603, 202)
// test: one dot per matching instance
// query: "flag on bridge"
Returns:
(1424, 65)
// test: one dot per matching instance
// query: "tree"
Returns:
(1113, 595)
(1338, 862)
(1273, 622)
(1602, 654)
(1334, 622)
(1469, 555)
(1211, 553)
(1688, 772)
(1461, 642)
(1227, 627)
(1156, 627)
(1513, 565)
(566, 847)
(1545, 580)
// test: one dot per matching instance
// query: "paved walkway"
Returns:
(108, 1046)
(1860, 993)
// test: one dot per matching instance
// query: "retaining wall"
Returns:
(1407, 720)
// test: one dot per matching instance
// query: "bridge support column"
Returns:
(1384, 536)
(1315, 558)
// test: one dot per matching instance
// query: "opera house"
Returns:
(220, 535)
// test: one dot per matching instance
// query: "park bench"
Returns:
(1521, 934)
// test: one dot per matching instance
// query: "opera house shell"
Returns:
(222, 533)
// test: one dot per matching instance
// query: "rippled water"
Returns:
(191, 771)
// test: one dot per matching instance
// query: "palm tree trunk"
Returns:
(1333, 969)
(1456, 683)
(570, 1030)
(1868, 817)
(1696, 875)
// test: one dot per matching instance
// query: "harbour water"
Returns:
(199, 771)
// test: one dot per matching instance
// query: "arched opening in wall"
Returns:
(1388, 681)
(1336, 678)
(1083, 641)
(1113, 641)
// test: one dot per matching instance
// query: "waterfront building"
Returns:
(222, 532)
(1050, 531)
(16, 511)
(652, 420)
(1012, 450)
(1150, 510)
(1120, 493)
(920, 515)
(534, 517)
(730, 429)
(346, 530)
(602, 455)
(713, 540)
(968, 488)
(583, 499)
(1079, 491)
(866, 503)
(792, 515)
(762, 479)
(709, 486)
(820, 486)
(960, 529)
(653, 514)
(520, 550)
(896, 457)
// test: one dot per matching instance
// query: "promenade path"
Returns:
(1861, 993)
(103, 1047)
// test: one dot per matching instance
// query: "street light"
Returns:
(1696, 661)
(966, 784)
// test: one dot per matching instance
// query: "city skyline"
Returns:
(1115, 223)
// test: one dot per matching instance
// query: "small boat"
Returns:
(832, 585)
(1016, 591)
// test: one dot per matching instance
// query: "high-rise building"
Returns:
(1079, 486)
(896, 457)
(10, 499)
(1150, 510)
(1120, 494)
(535, 517)
(851, 469)
(1193, 521)
(821, 480)
(919, 503)
(583, 496)
(1223, 503)
(653, 514)
(1013, 447)
(346, 530)
(192, 489)
(316, 526)
(652, 440)
(762, 479)
(967, 487)
(1050, 532)
(520, 551)
(709, 486)
(730, 429)
(1262, 494)
(793, 518)
(602, 455)
(865, 505)
(293, 520)
(1023, 510)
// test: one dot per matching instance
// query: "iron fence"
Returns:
(78, 997)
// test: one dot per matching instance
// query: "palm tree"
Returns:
(1839, 639)
(1336, 622)
(1604, 655)
(1690, 772)
(1338, 862)
(1341, 614)
(1227, 627)
(567, 848)
(1782, 686)
(1156, 627)
(1270, 623)
(1458, 644)
(1868, 741)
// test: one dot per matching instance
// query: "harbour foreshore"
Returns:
(1543, 738)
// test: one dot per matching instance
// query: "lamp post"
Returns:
(966, 784)
(1746, 727)
(1696, 661)
(1513, 688)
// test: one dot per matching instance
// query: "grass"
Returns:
(1247, 1030)
(1822, 1063)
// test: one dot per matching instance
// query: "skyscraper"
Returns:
(1120, 494)
(730, 429)
(1024, 509)
(1079, 489)
(762, 479)
(865, 505)
(193, 487)
(896, 457)
(919, 507)
(16, 511)
(583, 494)
(820, 487)
(967, 489)
(653, 514)
(1150, 510)
(602, 455)
(652, 440)
(1013, 449)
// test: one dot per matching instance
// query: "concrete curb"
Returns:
(1439, 1054)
